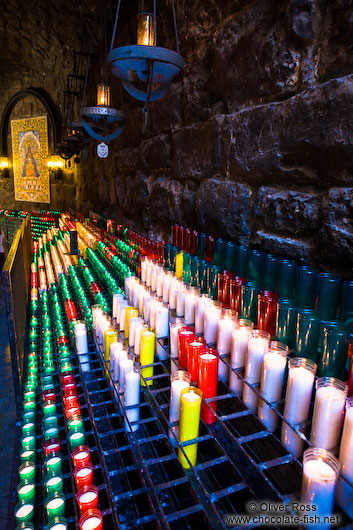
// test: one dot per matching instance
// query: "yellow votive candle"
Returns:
(147, 347)
(129, 313)
(110, 336)
(179, 262)
(190, 403)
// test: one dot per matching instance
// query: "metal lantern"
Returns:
(153, 65)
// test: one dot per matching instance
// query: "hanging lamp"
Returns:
(99, 119)
(153, 65)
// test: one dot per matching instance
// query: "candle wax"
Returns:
(92, 523)
(24, 511)
(88, 496)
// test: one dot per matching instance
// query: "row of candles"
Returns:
(265, 366)
(87, 495)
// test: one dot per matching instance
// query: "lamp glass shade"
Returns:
(103, 95)
(145, 30)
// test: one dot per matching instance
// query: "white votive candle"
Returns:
(212, 317)
(117, 297)
(320, 472)
(272, 381)
(137, 343)
(166, 283)
(173, 288)
(179, 380)
(191, 299)
(162, 329)
(300, 384)
(202, 302)
(81, 338)
(160, 281)
(114, 349)
(125, 366)
(180, 301)
(329, 404)
(239, 348)
(122, 307)
(132, 397)
(146, 306)
(257, 347)
(120, 355)
(133, 323)
(225, 329)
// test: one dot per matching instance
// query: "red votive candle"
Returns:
(87, 498)
(194, 349)
(71, 411)
(70, 389)
(235, 293)
(193, 241)
(91, 520)
(81, 456)
(83, 476)
(187, 239)
(71, 401)
(184, 334)
(266, 311)
(52, 446)
(49, 395)
(208, 378)
(224, 282)
(67, 377)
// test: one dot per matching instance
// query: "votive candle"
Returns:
(190, 399)
(257, 347)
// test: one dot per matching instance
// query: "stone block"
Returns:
(298, 249)
(224, 208)
(289, 211)
(155, 153)
(197, 150)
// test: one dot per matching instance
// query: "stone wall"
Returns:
(37, 40)
(254, 143)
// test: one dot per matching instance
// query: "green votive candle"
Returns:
(55, 506)
(29, 405)
(24, 511)
(76, 439)
(66, 367)
(29, 395)
(53, 463)
(28, 442)
(27, 455)
(75, 424)
(27, 471)
(51, 432)
(54, 483)
(26, 491)
(28, 429)
(29, 416)
(49, 408)
(50, 421)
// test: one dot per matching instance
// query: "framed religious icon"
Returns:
(29, 153)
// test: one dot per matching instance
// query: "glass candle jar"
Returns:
(178, 381)
(91, 520)
(286, 279)
(194, 349)
(272, 382)
(52, 446)
(184, 334)
(248, 302)
(76, 439)
(27, 471)
(266, 311)
(87, 498)
(307, 334)
(329, 405)
(54, 483)
(81, 456)
(328, 290)
(300, 385)
(320, 474)
(332, 361)
(235, 294)
(53, 463)
(26, 491)
(239, 348)
(24, 512)
(286, 321)
(257, 347)
(305, 290)
(83, 475)
(55, 506)
(189, 424)
(208, 381)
